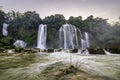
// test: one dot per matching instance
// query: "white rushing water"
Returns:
(4, 29)
(68, 37)
(87, 40)
(42, 35)
(20, 43)
(83, 44)
(106, 52)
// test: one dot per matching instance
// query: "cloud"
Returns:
(104, 8)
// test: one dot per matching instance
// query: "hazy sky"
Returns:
(99, 8)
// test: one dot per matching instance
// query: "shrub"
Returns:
(19, 49)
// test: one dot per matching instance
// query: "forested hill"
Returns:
(24, 26)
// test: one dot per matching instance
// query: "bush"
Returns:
(57, 50)
(19, 49)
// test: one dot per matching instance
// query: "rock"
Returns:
(96, 51)
(114, 50)
(50, 50)
(2, 50)
(57, 50)
(27, 51)
(11, 51)
(45, 50)
(73, 50)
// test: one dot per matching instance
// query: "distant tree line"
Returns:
(24, 26)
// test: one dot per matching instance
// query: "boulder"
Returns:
(73, 50)
(96, 51)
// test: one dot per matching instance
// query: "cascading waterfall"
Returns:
(68, 37)
(85, 42)
(42, 35)
(4, 29)
(106, 52)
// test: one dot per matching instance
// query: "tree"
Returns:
(112, 37)
(2, 20)
(31, 19)
(24, 26)
(97, 27)
(54, 22)
(77, 21)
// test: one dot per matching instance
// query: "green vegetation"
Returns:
(19, 49)
(25, 26)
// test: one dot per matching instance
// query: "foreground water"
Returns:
(44, 66)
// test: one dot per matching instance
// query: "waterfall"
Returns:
(4, 29)
(83, 44)
(68, 37)
(42, 35)
(106, 52)
(85, 41)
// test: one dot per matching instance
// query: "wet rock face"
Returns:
(57, 50)
(26, 50)
(96, 51)
(2, 50)
(50, 50)
(73, 50)
(47, 50)
(114, 50)
(70, 51)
